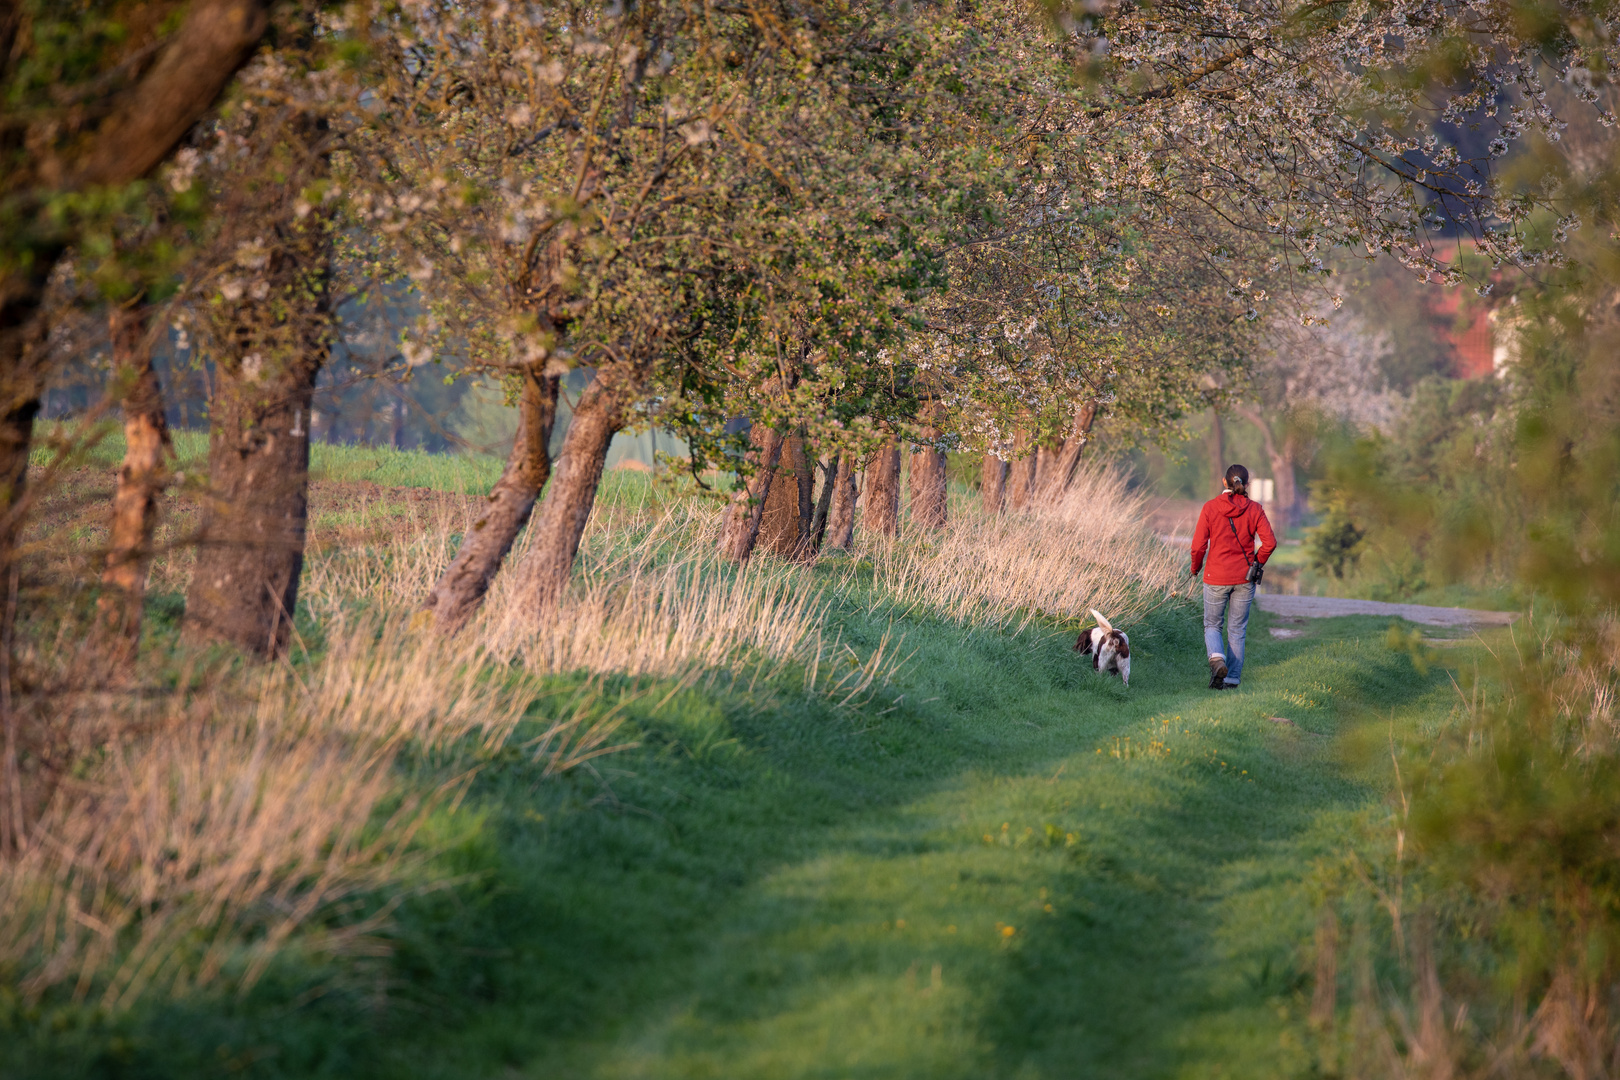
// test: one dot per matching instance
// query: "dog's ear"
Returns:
(1102, 621)
(1082, 644)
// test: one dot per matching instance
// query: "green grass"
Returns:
(770, 887)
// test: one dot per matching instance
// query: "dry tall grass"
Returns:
(201, 839)
(1088, 547)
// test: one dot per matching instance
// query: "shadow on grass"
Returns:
(769, 887)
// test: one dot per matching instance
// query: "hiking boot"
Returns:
(1217, 673)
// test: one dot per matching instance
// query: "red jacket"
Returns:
(1227, 565)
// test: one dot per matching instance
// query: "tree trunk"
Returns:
(1021, 473)
(784, 526)
(147, 452)
(805, 478)
(1040, 469)
(1282, 465)
(460, 590)
(841, 520)
(882, 495)
(244, 589)
(566, 508)
(139, 126)
(1066, 462)
(929, 487)
(830, 476)
(1287, 490)
(992, 483)
(740, 529)
(1216, 442)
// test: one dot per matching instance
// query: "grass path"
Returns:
(1023, 870)
(1017, 869)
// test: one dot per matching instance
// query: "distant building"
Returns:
(1471, 333)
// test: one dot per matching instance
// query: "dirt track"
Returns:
(1324, 607)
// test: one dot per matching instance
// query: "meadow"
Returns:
(871, 817)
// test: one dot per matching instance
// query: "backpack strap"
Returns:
(1248, 556)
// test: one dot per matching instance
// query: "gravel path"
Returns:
(1324, 607)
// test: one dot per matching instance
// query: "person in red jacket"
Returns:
(1228, 527)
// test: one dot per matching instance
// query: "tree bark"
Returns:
(1287, 490)
(992, 483)
(882, 495)
(841, 519)
(566, 508)
(145, 471)
(193, 68)
(929, 483)
(1067, 460)
(740, 529)
(460, 590)
(1040, 469)
(1215, 440)
(244, 589)
(1282, 465)
(784, 526)
(250, 554)
(805, 478)
(830, 477)
(1021, 473)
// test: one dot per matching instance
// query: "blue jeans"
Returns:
(1233, 602)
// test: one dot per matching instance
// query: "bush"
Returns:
(1335, 542)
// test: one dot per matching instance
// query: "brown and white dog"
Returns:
(1109, 649)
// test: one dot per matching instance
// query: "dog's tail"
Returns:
(1102, 620)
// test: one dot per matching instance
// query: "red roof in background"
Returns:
(1472, 342)
(1473, 346)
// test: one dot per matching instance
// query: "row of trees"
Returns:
(866, 228)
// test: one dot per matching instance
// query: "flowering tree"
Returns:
(1327, 124)
(1319, 365)
(1067, 312)
(713, 210)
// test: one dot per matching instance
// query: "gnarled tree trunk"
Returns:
(881, 500)
(841, 518)
(992, 483)
(929, 487)
(740, 529)
(566, 507)
(142, 476)
(461, 588)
